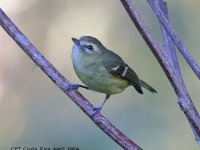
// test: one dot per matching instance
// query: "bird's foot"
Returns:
(73, 87)
(96, 111)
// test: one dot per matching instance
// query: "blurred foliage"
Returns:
(34, 112)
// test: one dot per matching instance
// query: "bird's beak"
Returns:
(76, 41)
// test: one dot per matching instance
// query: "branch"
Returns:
(172, 53)
(62, 83)
(166, 63)
(177, 41)
(168, 41)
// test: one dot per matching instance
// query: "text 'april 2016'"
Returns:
(43, 148)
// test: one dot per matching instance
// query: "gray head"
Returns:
(89, 44)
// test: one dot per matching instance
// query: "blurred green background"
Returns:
(34, 112)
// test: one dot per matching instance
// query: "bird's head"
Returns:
(89, 45)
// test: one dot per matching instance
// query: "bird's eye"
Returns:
(90, 47)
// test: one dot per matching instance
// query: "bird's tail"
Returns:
(147, 86)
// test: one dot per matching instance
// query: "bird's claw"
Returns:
(73, 87)
(96, 111)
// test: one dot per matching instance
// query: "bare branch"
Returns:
(177, 41)
(168, 42)
(62, 83)
(184, 99)
(171, 49)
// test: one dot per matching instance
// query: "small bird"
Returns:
(102, 70)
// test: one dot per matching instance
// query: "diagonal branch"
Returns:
(62, 83)
(177, 41)
(171, 49)
(166, 63)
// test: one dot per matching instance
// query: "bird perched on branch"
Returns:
(102, 70)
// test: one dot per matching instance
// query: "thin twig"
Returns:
(177, 41)
(169, 45)
(184, 99)
(62, 83)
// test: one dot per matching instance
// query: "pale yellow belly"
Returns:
(102, 81)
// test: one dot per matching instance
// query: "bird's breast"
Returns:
(94, 75)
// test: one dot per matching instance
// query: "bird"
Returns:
(102, 70)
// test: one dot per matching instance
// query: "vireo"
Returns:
(102, 70)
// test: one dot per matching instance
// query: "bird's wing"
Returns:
(118, 68)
